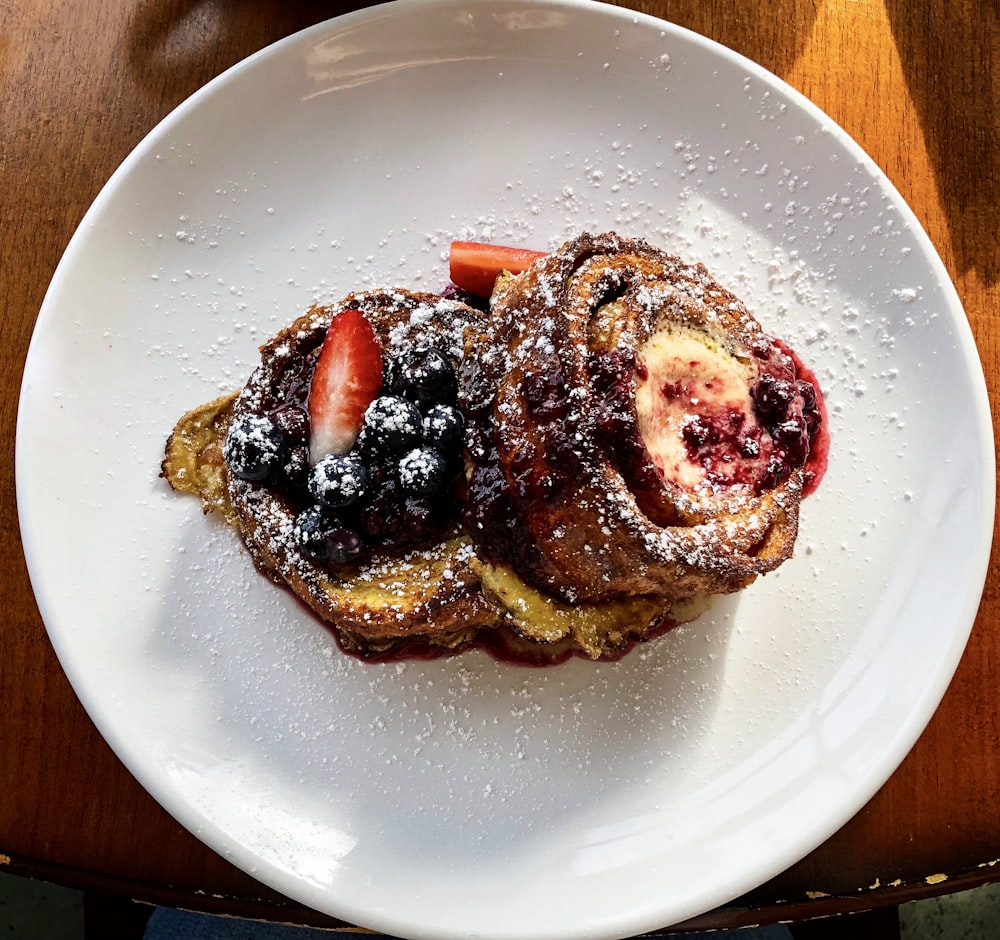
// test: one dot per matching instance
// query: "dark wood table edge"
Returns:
(279, 909)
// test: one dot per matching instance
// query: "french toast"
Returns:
(553, 477)
(425, 589)
(633, 432)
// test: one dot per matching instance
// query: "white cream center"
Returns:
(680, 375)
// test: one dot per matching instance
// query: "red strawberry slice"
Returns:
(475, 266)
(347, 379)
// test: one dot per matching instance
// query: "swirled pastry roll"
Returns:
(632, 430)
(414, 578)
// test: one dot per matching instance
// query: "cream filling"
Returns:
(681, 373)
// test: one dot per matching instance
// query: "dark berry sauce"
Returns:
(817, 423)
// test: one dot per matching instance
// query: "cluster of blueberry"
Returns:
(391, 489)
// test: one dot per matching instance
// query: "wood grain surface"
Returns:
(916, 84)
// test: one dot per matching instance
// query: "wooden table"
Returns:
(81, 83)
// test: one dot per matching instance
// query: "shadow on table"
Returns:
(753, 28)
(953, 80)
(173, 46)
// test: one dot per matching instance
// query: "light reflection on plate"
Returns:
(463, 797)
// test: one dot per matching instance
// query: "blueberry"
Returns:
(772, 399)
(364, 447)
(775, 472)
(793, 436)
(293, 422)
(427, 376)
(423, 471)
(325, 538)
(810, 407)
(338, 480)
(423, 520)
(392, 425)
(311, 529)
(443, 427)
(394, 519)
(343, 546)
(808, 393)
(254, 447)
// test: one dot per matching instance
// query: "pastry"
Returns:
(575, 470)
(390, 567)
(632, 431)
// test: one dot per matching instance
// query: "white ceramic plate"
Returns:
(465, 798)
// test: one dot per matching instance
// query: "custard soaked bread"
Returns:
(386, 566)
(632, 430)
(572, 472)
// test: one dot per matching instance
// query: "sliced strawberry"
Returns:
(475, 266)
(347, 379)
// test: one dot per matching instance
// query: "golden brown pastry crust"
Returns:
(551, 489)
